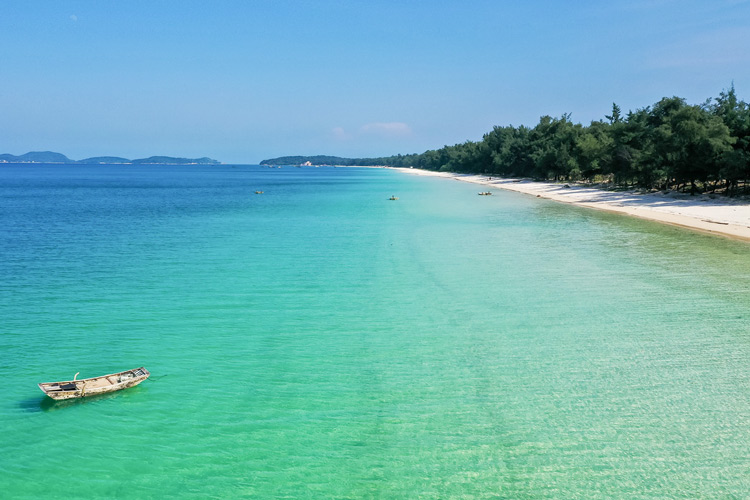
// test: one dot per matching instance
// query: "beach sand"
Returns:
(716, 215)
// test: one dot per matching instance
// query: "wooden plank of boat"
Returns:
(70, 389)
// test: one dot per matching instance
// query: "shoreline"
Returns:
(717, 216)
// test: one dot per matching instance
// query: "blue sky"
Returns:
(241, 81)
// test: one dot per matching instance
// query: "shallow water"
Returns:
(321, 341)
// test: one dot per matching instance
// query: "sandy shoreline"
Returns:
(717, 215)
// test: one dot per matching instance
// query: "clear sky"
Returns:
(241, 81)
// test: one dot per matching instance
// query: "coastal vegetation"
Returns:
(317, 160)
(671, 145)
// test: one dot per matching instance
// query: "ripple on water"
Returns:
(320, 341)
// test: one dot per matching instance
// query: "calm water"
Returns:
(320, 341)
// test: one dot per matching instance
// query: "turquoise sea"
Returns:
(321, 341)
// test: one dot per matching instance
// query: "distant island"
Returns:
(323, 160)
(52, 157)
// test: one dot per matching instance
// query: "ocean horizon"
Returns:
(319, 340)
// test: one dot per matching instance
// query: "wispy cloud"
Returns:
(389, 129)
(705, 50)
(375, 129)
(647, 4)
(339, 133)
(73, 18)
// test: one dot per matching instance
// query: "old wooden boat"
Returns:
(71, 389)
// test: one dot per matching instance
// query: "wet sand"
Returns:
(716, 215)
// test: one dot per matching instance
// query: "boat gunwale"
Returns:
(78, 392)
(100, 376)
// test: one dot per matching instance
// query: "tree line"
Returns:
(670, 145)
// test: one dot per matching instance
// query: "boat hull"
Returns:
(72, 389)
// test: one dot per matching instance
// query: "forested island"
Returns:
(670, 145)
(52, 157)
(316, 160)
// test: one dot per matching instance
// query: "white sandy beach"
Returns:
(717, 215)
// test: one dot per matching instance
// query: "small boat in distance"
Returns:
(71, 389)
(393, 198)
(485, 193)
(259, 192)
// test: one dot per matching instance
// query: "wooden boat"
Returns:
(70, 389)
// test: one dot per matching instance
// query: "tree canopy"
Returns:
(669, 145)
